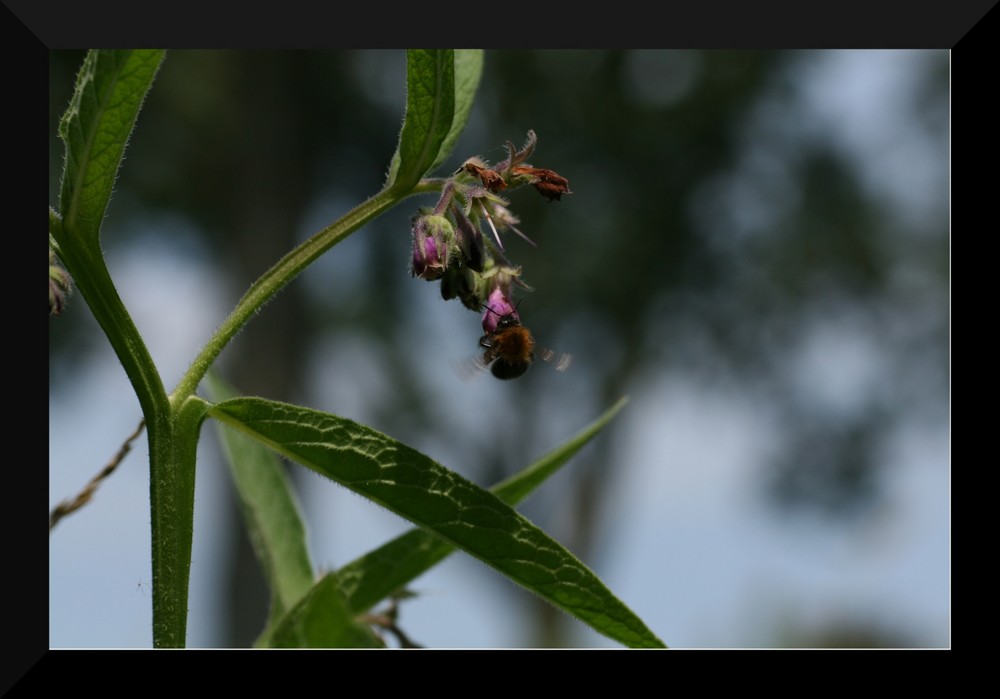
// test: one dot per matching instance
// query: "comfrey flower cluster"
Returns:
(449, 242)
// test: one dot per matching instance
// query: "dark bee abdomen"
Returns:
(508, 370)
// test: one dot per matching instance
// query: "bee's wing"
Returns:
(470, 368)
(561, 360)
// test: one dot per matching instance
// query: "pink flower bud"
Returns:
(497, 306)
(433, 237)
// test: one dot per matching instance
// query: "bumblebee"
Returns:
(510, 349)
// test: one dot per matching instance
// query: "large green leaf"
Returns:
(440, 89)
(371, 578)
(468, 70)
(441, 501)
(109, 92)
(366, 581)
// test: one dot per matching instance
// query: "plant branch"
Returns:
(286, 269)
(83, 497)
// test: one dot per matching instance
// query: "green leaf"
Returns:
(468, 70)
(430, 111)
(441, 87)
(322, 620)
(270, 510)
(109, 92)
(441, 501)
(373, 577)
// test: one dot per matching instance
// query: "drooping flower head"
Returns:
(458, 242)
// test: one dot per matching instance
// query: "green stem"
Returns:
(172, 477)
(284, 271)
(171, 483)
(90, 275)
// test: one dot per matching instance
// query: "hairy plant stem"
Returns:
(286, 269)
